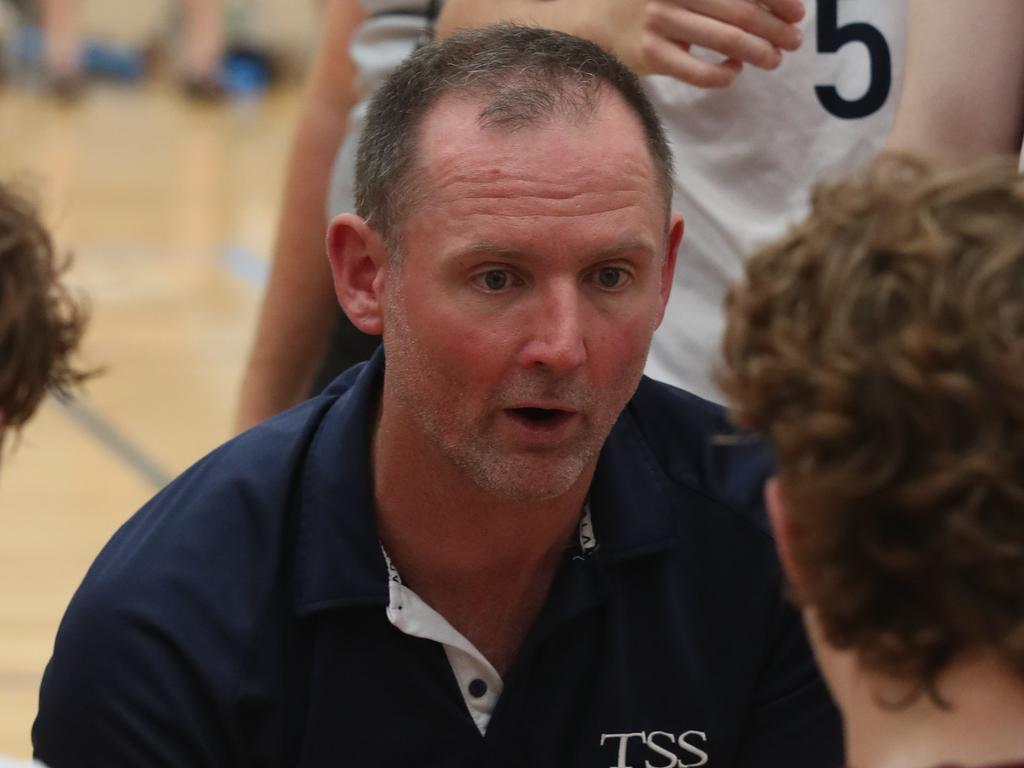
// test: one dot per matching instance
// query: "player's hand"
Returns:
(655, 36)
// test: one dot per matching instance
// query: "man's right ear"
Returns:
(358, 263)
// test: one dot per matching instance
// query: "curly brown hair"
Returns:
(879, 347)
(40, 322)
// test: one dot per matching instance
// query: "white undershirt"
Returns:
(479, 682)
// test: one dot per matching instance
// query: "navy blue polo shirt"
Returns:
(239, 618)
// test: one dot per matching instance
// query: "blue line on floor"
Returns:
(244, 264)
(117, 443)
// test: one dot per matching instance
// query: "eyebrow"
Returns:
(491, 248)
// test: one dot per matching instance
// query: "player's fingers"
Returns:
(753, 18)
(687, 28)
(667, 58)
(790, 11)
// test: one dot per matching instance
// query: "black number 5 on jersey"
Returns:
(832, 37)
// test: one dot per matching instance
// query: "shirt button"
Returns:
(477, 688)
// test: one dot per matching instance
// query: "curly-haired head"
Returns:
(40, 323)
(879, 347)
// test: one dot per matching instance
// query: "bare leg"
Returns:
(204, 38)
(62, 44)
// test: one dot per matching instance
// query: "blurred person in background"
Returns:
(758, 101)
(302, 339)
(963, 88)
(879, 347)
(202, 41)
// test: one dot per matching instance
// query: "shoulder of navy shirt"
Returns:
(237, 618)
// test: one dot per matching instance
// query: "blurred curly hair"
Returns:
(40, 323)
(879, 347)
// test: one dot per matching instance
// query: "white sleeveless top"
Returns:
(747, 156)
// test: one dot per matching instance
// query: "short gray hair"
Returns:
(528, 74)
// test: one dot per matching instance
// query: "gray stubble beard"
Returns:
(511, 477)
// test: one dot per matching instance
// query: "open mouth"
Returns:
(540, 418)
(539, 415)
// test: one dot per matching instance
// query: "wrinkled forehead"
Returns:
(460, 145)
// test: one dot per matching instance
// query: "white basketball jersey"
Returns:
(746, 158)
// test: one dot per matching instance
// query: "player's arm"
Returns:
(299, 305)
(963, 85)
(654, 36)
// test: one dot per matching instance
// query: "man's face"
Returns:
(533, 272)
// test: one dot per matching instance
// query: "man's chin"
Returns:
(533, 479)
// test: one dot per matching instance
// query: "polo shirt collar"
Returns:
(630, 502)
(338, 561)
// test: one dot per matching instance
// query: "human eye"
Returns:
(611, 278)
(495, 280)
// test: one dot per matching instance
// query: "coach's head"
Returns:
(515, 247)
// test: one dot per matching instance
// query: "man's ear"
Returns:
(785, 532)
(668, 264)
(358, 262)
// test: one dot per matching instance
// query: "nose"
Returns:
(554, 336)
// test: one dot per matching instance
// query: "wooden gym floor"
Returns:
(169, 209)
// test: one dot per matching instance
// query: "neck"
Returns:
(484, 562)
(981, 726)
